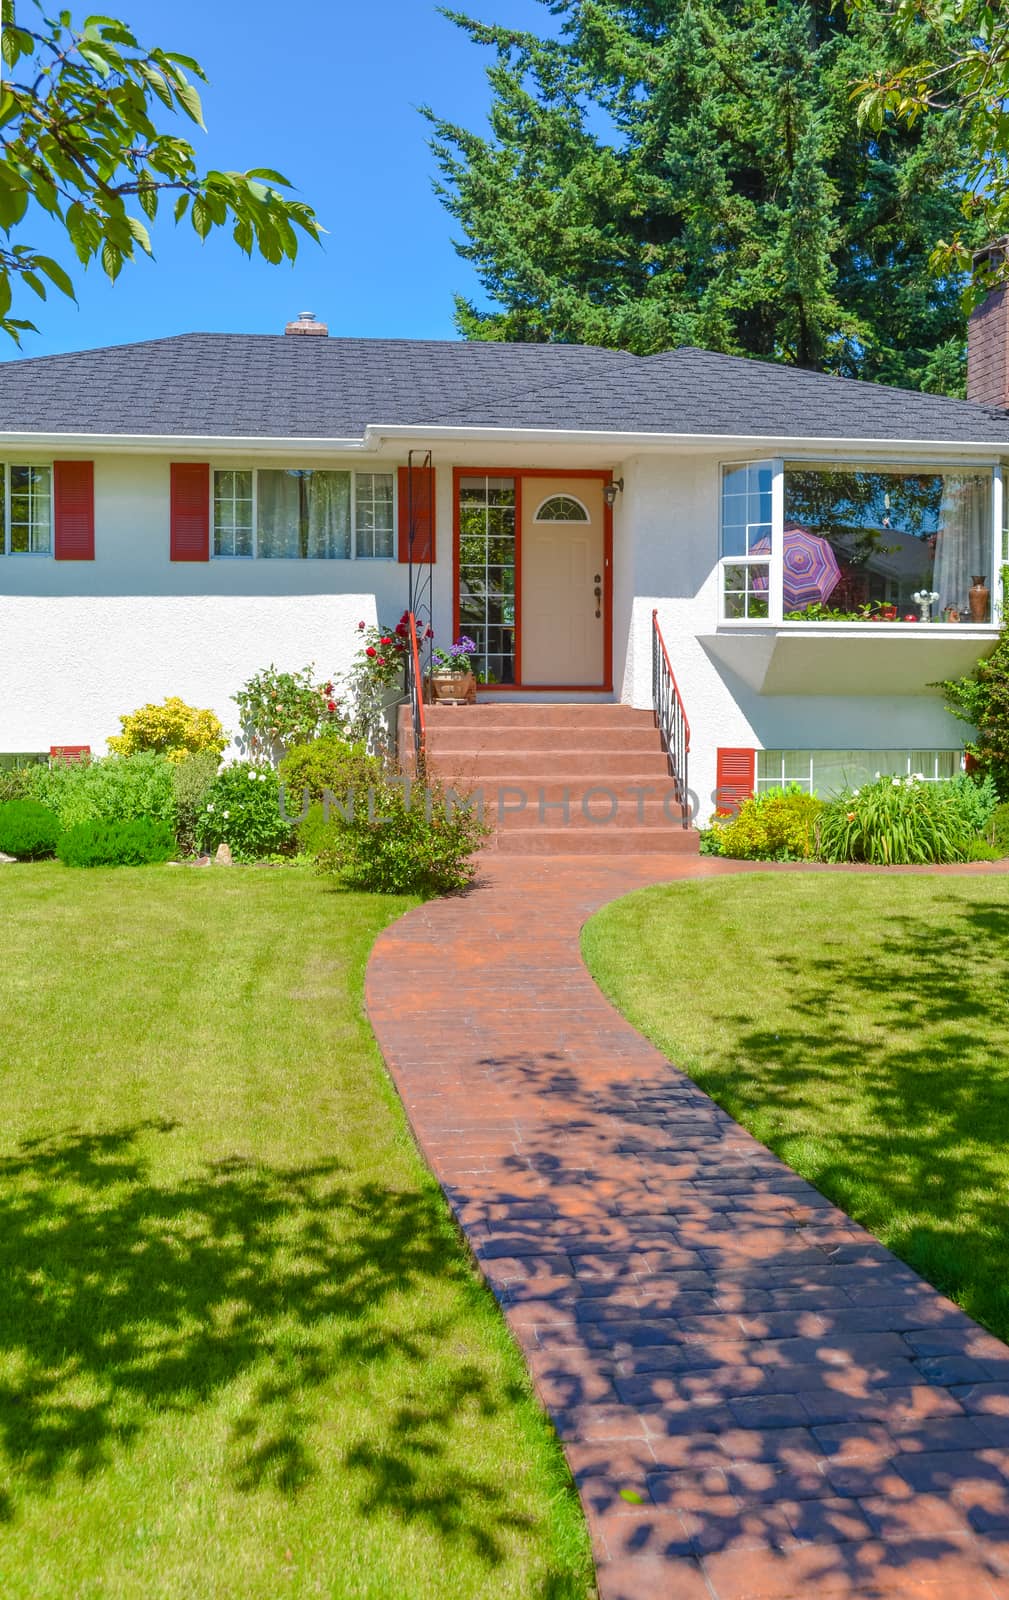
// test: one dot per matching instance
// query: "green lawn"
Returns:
(859, 1025)
(242, 1352)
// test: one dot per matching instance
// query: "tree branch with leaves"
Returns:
(80, 144)
(959, 75)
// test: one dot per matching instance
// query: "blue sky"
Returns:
(327, 92)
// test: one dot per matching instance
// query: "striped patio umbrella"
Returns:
(811, 571)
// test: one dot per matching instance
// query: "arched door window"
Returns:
(562, 508)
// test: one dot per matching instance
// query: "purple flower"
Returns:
(462, 647)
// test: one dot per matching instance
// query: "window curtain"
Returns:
(963, 546)
(328, 504)
(279, 514)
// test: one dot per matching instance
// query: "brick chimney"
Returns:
(988, 336)
(306, 324)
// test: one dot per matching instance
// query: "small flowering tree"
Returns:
(282, 709)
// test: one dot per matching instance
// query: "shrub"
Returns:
(975, 798)
(329, 762)
(897, 821)
(27, 829)
(20, 782)
(136, 843)
(283, 709)
(778, 825)
(174, 729)
(981, 850)
(118, 789)
(408, 841)
(191, 783)
(997, 830)
(242, 810)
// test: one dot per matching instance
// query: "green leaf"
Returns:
(181, 206)
(56, 275)
(141, 235)
(112, 260)
(189, 100)
(34, 283)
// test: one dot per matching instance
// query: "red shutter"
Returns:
(736, 775)
(190, 511)
(74, 505)
(423, 514)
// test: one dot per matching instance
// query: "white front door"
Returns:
(563, 615)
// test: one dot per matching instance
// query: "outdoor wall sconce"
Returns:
(615, 486)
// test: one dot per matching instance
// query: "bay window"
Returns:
(815, 542)
(303, 514)
(27, 510)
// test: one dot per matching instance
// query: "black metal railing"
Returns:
(415, 690)
(670, 718)
(420, 510)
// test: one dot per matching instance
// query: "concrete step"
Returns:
(595, 766)
(595, 842)
(626, 787)
(520, 714)
(598, 811)
(444, 738)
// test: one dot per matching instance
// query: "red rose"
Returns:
(328, 689)
(381, 661)
(429, 633)
(385, 641)
(401, 628)
(330, 705)
(371, 651)
(360, 627)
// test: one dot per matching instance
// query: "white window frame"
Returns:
(776, 560)
(5, 532)
(761, 785)
(387, 472)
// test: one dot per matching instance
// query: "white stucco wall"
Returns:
(667, 560)
(84, 642)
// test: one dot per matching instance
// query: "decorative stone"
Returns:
(223, 856)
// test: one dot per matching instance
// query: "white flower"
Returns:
(252, 776)
(919, 777)
(263, 776)
(878, 776)
(855, 793)
(225, 814)
(895, 782)
(210, 808)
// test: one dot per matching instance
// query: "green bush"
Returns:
(897, 821)
(242, 810)
(997, 830)
(116, 789)
(19, 780)
(975, 798)
(778, 825)
(27, 829)
(407, 841)
(191, 784)
(981, 850)
(136, 843)
(329, 762)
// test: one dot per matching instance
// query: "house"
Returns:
(181, 512)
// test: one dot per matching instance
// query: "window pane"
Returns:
(863, 543)
(375, 523)
(745, 590)
(836, 770)
(31, 510)
(233, 513)
(303, 514)
(487, 573)
(746, 508)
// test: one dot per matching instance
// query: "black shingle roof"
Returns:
(271, 386)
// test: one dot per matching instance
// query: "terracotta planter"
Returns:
(978, 599)
(453, 688)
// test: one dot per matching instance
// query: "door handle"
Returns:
(599, 595)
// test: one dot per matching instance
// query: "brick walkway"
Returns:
(799, 1414)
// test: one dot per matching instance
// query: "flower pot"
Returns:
(978, 599)
(888, 613)
(453, 688)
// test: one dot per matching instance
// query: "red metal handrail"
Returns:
(670, 717)
(416, 686)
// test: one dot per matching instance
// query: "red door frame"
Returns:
(519, 474)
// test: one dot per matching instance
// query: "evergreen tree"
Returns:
(670, 172)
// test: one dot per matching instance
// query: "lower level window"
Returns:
(303, 513)
(27, 510)
(826, 772)
(9, 760)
